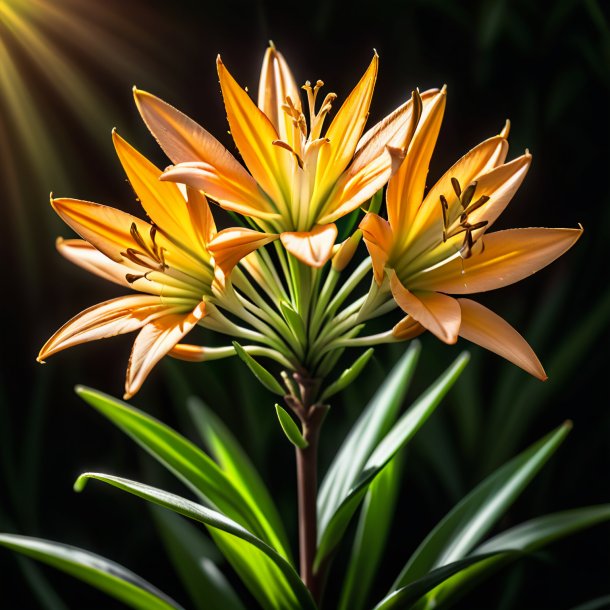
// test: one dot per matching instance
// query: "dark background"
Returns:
(67, 67)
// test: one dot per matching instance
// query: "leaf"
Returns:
(466, 524)
(189, 463)
(371, 536)
(295, 322)
(512, 544)
(348, 375)
(259, 371)
(375, 421)
(101, 573)
(194, 558)
(291, 430)
(288, 589)
(237, 466)
(400, 434)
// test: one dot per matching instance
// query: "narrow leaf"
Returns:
(348, 375)
(289, 590)
(194, 557)
(235, 463)
(400, 434)
(295, 322)
(259, 371)
(466, 524)
(375, 421)
(291, 430)
(101, 573)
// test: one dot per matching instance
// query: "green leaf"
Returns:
(371, 536)
(194, 558)
(512, 544)
(106, 575)
(236, 465)
(348, 375)
(189, 463)
(291, 430)
(295, 322)
(285, 590)
(466, 524)
(400, 434)
(259, 371)
(375, 421)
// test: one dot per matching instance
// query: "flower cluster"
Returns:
(275, 281)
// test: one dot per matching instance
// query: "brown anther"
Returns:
(468, 195)
(289, 148)
(456, 187)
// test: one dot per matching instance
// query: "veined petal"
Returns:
(254, 135)
(231, 245)
(406, 188)
(162, 201)
(108, 229)
(487, 329)
(378, 237)
(228, 194)
(508, 256)
(200, 215)
(154, 341)
(83, 254)
(438, 313)
(344, 132)
(108, 319)
(183, 141)
(313, 247)
(275, 85)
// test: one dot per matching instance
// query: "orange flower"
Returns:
(301, 178)
(166, 259)
(432, 247)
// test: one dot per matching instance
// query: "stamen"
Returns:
(456, 187)
(289, 148)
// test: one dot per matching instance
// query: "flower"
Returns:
(438, 245)
(166, 260)
(301, 179)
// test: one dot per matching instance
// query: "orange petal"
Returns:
(106, 228)
(254, 135)
(313, 247)
(379, 240)
(108, 319)
(345, 130)
(438, 313)
(406, 188)
(508, 256)
(183, 140)
(228, 194)
(487, 329)
(231, 245)
(83, 254)
(154, 341)
(407, 328)
(188, 352)
(163, 201)
(275, 85)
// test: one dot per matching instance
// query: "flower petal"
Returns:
(407, 328)
(439, 313)
(115, 317)
(378, 237)
(254, 134)
(406, 188)
(487, 329)
(154, 341)
(162, 201)
(276, 84)
(183, 141)
(83, 254)
(313, 247)
(108, 229)
(508, 256)
(344, 133)
(231, 245)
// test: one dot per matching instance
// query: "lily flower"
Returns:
(166, 261)
(300, 178)
(435, 246)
